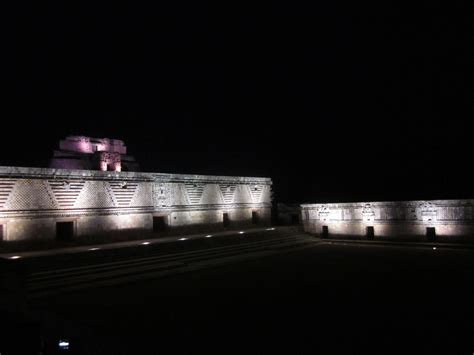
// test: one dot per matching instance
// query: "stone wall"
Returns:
(34, 200)
(438, 219)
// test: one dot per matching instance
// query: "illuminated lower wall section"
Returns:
(428, 220)
(40, 203)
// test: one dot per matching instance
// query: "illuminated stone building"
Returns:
(41, 203)
(79, 152)
(423, 220)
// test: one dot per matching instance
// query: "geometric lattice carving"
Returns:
(95, 194)
(242, 194)
(428, 212)
(6, 187)
(123, 192)
(30, 194)
(194, 192)
(143, 196)
(266, 194)
(66, 192)
(211, 195)
(161, 195)
(323, 213)
(228, 192)
(256, 192)
(368, 213)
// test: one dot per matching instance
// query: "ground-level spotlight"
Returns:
(145, 243)
(15, 257)
(92, 249)
(434, 248)
(63, 344)
(182, 238)
(241, 232)
(209, 235)
(270, 229)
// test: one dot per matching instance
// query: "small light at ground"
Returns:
(270, 229)
(209, 235)
(64, 344)
(241, 232)
(145, 243)
(182, 238)
(434, 248)
(94, 248)
(15, 257)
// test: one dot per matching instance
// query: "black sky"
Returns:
(335, 101)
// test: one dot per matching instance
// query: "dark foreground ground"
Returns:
(328, 299)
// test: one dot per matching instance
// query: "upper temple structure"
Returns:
(92, 187)
(85, 153)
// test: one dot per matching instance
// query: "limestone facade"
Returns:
(429, 220)
(38, 202)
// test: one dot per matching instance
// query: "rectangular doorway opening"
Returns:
(325, 232)
(369, 232)
(2, 233)
(431, 234)
(225, 220)
(159, 223)
(255, 217)
(64, 230)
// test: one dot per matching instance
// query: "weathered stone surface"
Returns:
(80, 152)
(33, 200)
(449, 218)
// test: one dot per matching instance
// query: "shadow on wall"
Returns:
(287, 214)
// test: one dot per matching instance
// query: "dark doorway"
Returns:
(159, 223)
(431, 234)
(295, 219)
(1, 233)
(255, 217)
(64, 230)
(325, 232)
(369, 232)
(225, 219)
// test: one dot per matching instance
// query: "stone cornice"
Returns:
(417, 203)
(49, 173)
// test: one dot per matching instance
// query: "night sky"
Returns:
(334, 101)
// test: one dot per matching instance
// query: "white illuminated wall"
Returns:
(451, 219)
(32, 200)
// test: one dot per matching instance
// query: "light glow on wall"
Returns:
(145, 243)
(15, 257)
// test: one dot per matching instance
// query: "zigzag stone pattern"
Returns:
(35, 201)
(30, 194)
(228, 192)
(123, 192)
(256, 192)
(194, 191)
(95, 194)
(6, 187)
(65, 192)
